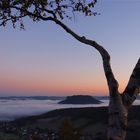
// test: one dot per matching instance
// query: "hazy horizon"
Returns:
(28, 94)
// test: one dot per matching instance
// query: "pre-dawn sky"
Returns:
(45, 60)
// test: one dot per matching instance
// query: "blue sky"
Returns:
(45, 60)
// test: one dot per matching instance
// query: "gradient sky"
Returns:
(45, 60)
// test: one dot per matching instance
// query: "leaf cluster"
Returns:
(16, 10)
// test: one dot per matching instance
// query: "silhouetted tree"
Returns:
(67, 131)
(56, 10)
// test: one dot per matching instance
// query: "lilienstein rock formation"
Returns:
(80, 99)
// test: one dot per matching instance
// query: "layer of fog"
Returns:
(12, 109)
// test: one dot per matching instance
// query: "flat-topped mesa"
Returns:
(80, 99)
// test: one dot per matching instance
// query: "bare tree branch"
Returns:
(112, 82)
(133, 87)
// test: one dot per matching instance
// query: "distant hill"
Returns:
(80, 99)
(91, 120)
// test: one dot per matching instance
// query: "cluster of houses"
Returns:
(25, 133)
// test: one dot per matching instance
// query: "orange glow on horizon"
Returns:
(56, 86)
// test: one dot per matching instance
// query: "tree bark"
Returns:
(117, 122)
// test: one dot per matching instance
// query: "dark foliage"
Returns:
(67, 131)
(15, 10)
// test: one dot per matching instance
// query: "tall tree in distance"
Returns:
(67, 131)
(15, 11)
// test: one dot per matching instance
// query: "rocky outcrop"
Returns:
(80, 99)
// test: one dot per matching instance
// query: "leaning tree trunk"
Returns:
(119, 103)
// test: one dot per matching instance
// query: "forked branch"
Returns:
(133, 87)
